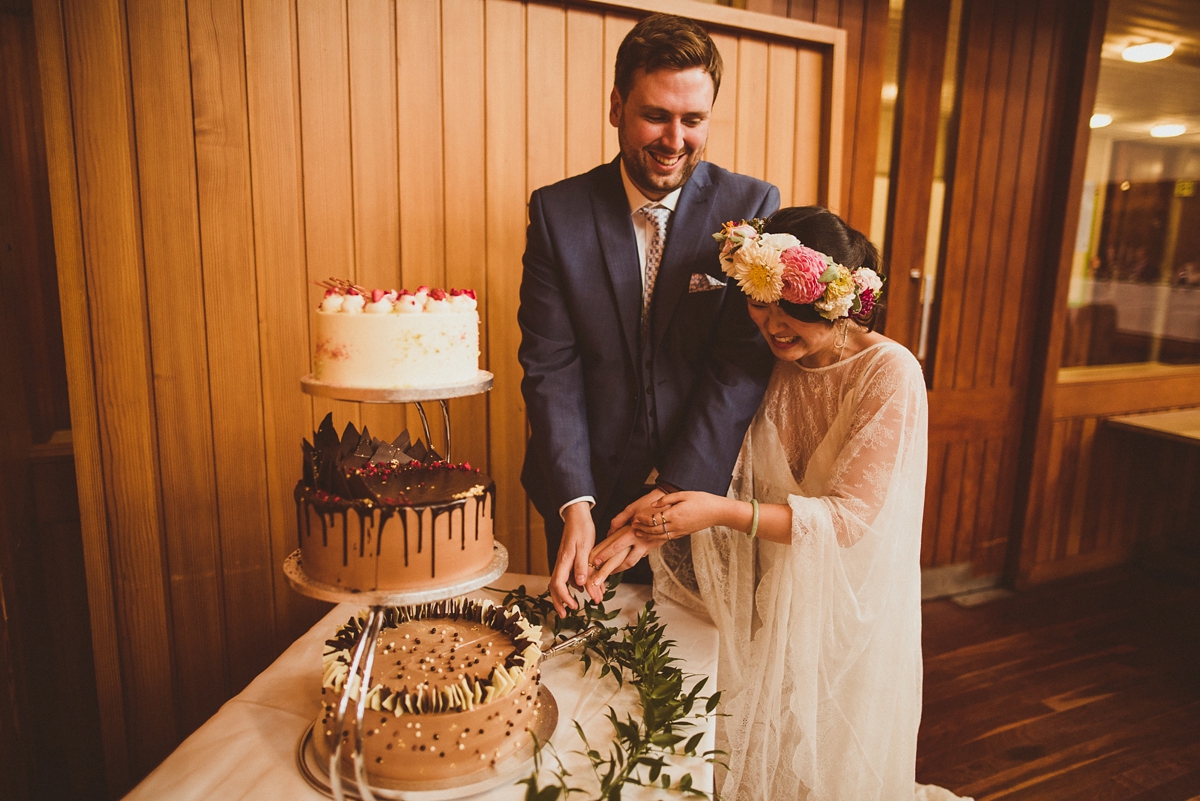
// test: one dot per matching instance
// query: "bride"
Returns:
(810, 567)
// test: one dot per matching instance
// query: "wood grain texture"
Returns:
(54, 71)
(918, 111)
(1079, 690)
(226, 229)
(116, 296)
(166, 152)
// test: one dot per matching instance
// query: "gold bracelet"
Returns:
(754, 519)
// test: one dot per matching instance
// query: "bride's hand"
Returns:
(680, 514)
(619, 551)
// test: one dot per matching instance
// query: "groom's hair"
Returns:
(666, 41)
(820, 229)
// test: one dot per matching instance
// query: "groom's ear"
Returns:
(614, 108)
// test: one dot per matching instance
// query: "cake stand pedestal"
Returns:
(362, 661)
(414, 395)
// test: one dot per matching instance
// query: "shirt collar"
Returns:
(637, 199)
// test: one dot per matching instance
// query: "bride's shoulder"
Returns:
(890, 357)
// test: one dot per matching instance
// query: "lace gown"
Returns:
(820, 664)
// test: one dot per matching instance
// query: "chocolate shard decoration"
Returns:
(325, 436)
(350, 437)
(310, 464)
(419, 452)
(434, 456)
(385, 454)
(402, 442)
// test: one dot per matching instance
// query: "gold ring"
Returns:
(654, 519)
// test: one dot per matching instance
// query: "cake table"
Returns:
(248, 748)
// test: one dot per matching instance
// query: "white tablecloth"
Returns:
(248, 749)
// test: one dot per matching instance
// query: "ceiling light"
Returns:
(1101, 120)
(1150, 51)
(1164, 131)
(890, 91)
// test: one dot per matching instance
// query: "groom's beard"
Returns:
(642, 174)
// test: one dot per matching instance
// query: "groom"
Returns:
(642, 366)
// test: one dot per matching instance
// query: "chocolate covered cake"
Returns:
(374, 515)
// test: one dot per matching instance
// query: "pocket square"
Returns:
(703, 282)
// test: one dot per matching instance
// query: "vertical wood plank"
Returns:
(865, 23)
(1079, 491)
(281, 273)
(465, 146)
(79, 345)
(325, 152)
(950, 503)
(970, 528)
(161, 86)
(96, 36)
(616, 27)
(810, 88)
(956, 254)
(781, 119)
(1054, 471)
(373, 171)
(585, 86)
(506, 217)
(421, 154)
(991, 541)
(546, 126)
(750, 153)
(987, 194)
(722, 127)
(232, 335)
(1005, 254)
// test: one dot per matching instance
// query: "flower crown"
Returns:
(771, 267)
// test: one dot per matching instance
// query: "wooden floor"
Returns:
(1085, 689)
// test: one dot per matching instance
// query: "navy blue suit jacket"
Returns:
(604, 407)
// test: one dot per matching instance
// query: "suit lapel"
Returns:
(691, 223)
(614, 227)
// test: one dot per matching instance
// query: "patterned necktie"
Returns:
(657, 216)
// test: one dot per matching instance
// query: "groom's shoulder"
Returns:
(735, 189)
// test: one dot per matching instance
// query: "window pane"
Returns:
(1135, 281)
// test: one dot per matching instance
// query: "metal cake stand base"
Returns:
(314, 766)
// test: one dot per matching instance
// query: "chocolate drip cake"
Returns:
(374, 515)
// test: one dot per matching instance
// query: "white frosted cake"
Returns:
(382, 339)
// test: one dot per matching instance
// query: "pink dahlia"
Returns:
(802, 271)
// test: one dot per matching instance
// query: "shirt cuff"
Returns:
(588, 499)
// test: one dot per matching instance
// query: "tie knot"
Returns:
(657, 215)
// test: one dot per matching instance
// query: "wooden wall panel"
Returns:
(229, 156)
(1000, 223)
(226, 230)
(166, 177)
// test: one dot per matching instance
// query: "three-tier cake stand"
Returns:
(326, 776)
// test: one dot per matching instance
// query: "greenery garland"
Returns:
(641, 656)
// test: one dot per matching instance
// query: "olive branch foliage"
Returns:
(638, 653)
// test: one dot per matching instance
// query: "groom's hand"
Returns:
(642, 504)
(579, 535)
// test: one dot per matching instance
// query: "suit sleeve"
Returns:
(702, 454)
(553, 376)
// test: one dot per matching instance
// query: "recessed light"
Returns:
(1100, 120)
(1164, 131)
(1150, 51)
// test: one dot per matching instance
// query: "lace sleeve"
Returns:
(850, 475)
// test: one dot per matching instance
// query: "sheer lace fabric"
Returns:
(820, 664)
